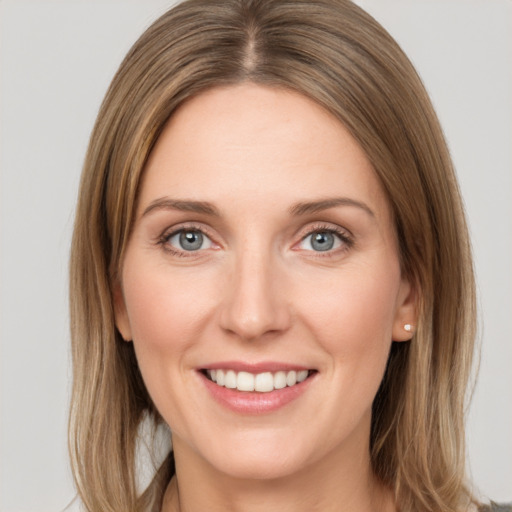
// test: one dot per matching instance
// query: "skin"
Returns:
(258, 291)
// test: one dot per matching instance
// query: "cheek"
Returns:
(166, 310)
(353, 316)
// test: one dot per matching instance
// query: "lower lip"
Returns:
(253, 402)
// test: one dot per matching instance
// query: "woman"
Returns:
(270, 257)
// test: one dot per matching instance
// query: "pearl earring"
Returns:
(408, 327)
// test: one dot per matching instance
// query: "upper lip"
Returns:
(260, 367)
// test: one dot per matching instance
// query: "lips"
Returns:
(256, 389)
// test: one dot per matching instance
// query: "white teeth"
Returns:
(230, 381)
(291, 378)
(261, 382)
(245, 381)
(280, 380)
(220, 377)
(302, 375)
(264, 382)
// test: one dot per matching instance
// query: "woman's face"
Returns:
(263, 250)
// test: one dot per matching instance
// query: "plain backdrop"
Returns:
(56, 60)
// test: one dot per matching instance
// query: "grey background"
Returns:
(56, 60)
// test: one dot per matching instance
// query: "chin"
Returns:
(258, 468)
(261, 459)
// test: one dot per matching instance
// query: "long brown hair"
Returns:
(336, 54)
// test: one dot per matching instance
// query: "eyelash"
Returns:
(346, 239)
(166, 236)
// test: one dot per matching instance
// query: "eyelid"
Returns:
(343, 234)
(204, 239)
(169, 232)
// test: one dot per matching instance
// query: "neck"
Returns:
(325, 486)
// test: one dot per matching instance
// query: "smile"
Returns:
(258, 388)
(264, 382)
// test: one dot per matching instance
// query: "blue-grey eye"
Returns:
(321, 241)
(190, 240)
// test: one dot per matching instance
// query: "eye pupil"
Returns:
(322, 241)
(191, 240)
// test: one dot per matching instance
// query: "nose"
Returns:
(256, 304)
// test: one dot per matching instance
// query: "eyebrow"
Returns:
(304, 208)
(298, 209)
(166, 203)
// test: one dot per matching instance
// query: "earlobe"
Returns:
(404, 325)
(120, 313)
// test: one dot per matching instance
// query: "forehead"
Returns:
(255, 143)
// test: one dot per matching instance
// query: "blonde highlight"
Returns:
(334, 53)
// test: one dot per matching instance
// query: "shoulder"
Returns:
(496, 507)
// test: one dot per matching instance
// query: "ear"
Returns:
(120, 313)
(406, 315)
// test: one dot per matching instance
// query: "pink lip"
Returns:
(244, 402)
(264, 366)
